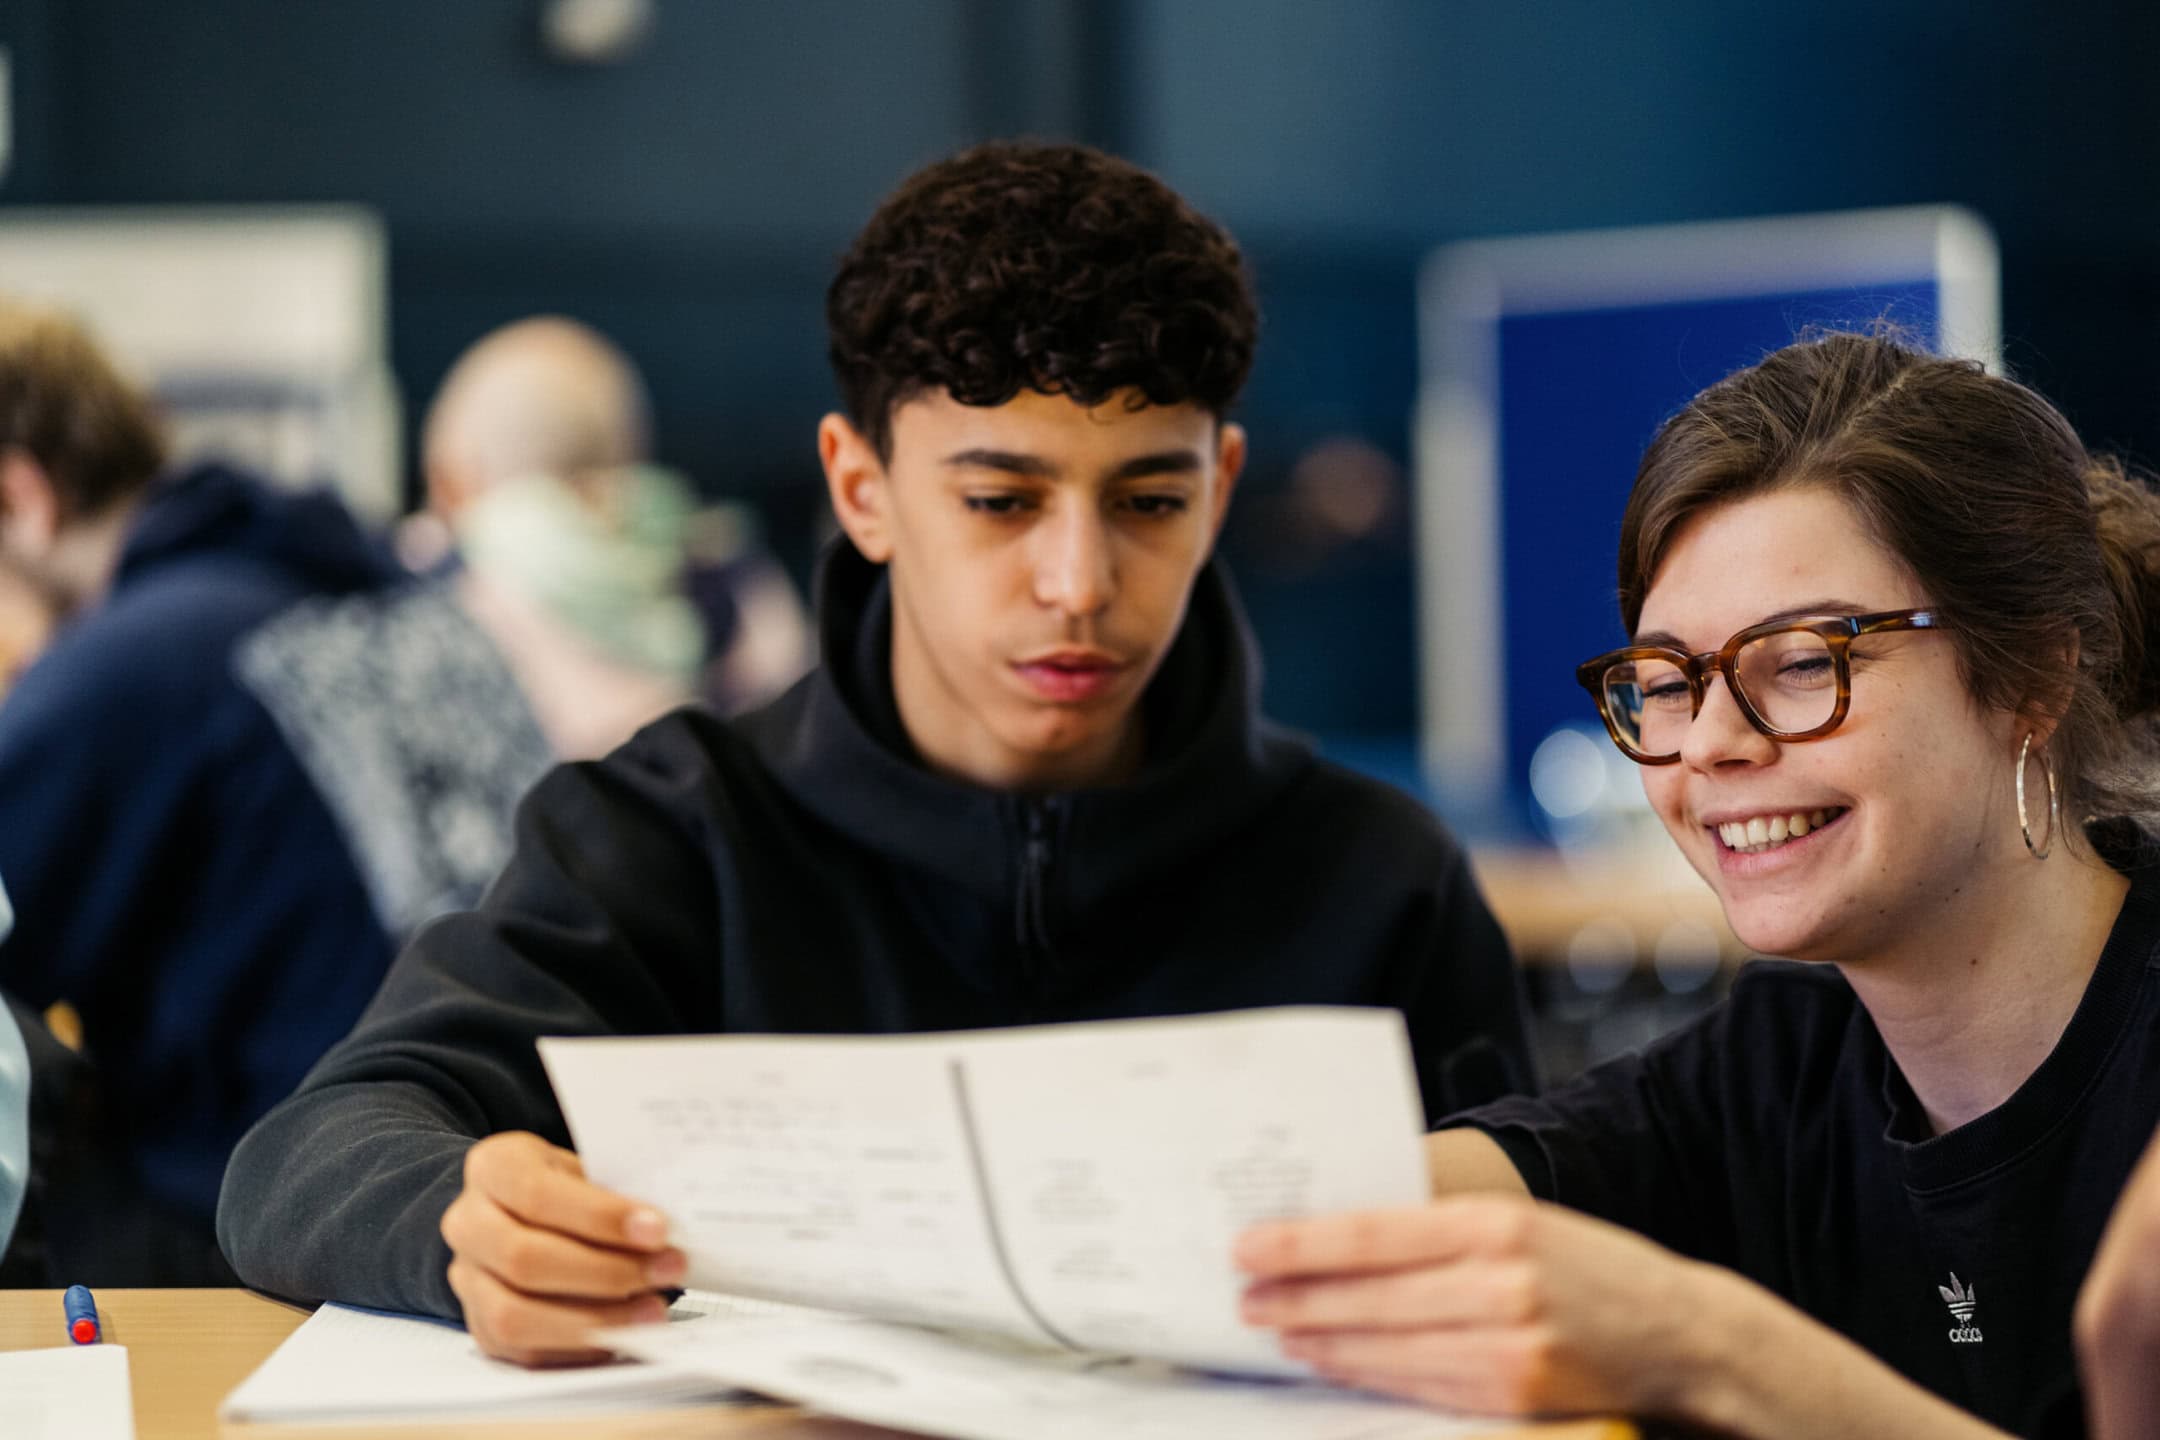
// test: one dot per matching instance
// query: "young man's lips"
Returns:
(1069, 677)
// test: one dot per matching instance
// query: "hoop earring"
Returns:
(2047, 773)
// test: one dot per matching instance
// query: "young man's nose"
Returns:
(1721, 733)
(1074, 568)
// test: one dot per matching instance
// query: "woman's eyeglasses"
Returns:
(1792, 679)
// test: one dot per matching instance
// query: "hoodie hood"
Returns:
(211, 509)
(837, 743)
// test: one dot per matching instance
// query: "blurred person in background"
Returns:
(232, 778)
(574, 554)
(42, 1083)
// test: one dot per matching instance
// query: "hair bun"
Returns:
(2126, 519)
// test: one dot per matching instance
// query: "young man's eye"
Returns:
(1155, 505)
(995, 504)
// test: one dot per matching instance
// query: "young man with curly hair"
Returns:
(1028, 782)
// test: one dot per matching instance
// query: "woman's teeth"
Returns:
(1767, 832)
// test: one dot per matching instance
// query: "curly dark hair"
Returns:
(1050, 267)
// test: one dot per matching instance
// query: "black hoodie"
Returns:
(798, 871)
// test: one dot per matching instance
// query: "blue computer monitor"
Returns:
(1548, 363)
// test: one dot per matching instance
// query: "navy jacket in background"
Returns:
(799, 871)
(175, 875)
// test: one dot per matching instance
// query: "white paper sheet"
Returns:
(73, 1392)
(830, 1173)
(984, 1388)
(1125, 1160)
(345, 1364)
(1076, 1184)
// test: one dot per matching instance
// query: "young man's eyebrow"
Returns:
(1812, 610)
(1181, 461)
(1163, 462)
(1011, 462)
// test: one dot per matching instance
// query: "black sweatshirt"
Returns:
(798, 871)
(1777, 1137)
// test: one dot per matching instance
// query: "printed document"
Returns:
(1074, 1186)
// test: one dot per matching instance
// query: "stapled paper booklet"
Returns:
(993, 1235)
(1028, 1231)
(1079, 1186)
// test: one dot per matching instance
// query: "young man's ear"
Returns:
(1229, 464)
(855, 480)
(29, 505)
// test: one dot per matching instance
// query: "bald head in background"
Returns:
(574, 550)
(533, 455)
(545, 396)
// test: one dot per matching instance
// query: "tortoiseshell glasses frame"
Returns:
(1836, 634)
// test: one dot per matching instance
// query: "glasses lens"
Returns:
(1790, 678)
(1650, 705)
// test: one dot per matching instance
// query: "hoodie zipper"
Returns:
(1031, 924)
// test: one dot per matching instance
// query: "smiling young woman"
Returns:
(1890, 686)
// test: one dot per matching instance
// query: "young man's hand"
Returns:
(542, 1256)
(2118, 1313)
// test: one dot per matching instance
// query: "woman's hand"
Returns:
(1488, 1303)
(1507, 1305)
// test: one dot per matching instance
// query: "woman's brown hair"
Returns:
(2043, 559)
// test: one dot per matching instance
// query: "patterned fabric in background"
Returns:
(410, 724)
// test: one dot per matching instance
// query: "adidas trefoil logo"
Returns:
(1962, 1300)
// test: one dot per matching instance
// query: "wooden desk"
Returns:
(187, 1348)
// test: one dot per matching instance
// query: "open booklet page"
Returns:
(345, 1365)
(1123, 1161)
(981, 1388)
(1076, 1184)
(828, 1173)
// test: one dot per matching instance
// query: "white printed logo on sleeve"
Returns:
(1962, 1300)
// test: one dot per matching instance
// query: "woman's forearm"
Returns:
(1765, 1370)
(1463, 1161)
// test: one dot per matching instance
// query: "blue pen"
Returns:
(82, 1317)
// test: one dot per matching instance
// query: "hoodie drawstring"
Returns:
(1031, 924)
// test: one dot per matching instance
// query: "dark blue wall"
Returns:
(691, 200)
